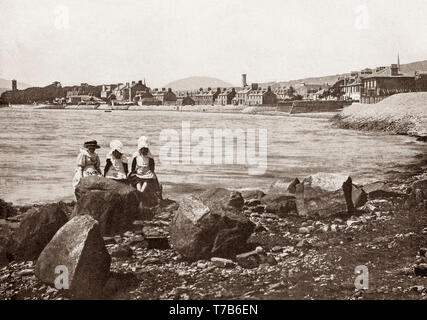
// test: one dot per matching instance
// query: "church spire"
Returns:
(398, 61)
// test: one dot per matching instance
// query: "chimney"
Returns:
(394, 70)
(14, 85)
(254, 86)
(133, 83)
(139, 81)
(244, 84)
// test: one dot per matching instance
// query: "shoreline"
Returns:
(386, 236)
(401, 114)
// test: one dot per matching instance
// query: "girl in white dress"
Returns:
(142, 172)
(116, 166)
(88, 163)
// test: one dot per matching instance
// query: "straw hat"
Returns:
(91, 143)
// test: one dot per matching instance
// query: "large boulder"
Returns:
(315, 198)
(210, 224)
(114, 204)
(380, 190)
(78, 250)
(355, 196)
(280, 204)
(36, 229)
(150, 198)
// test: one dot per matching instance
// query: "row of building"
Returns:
(252, 95)
(374, 85)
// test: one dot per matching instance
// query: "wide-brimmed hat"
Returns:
(143, 142)
(116, 145)
(92, 143)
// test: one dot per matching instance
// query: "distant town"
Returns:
(365, 86)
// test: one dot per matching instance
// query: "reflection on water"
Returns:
(39, 147)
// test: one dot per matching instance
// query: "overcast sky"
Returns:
(105, 41)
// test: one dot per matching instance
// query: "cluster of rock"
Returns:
(215, 225)
(75, 244)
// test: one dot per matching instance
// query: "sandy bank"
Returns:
(404, 113)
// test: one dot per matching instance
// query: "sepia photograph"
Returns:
(212, 155)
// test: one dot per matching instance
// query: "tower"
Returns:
(14, 85)
(244, 84)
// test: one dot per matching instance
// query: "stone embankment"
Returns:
(404, 113)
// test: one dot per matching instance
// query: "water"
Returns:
(39, 148)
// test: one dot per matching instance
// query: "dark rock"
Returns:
(79, 247)
(6, 233)
(35, 231)
(248, 261)
(355, 197)
(380, 190)
(252, 194)
(6, 210)
(115, 205)
(420, 270)
(418, 194)
(252, 203)
(280, 204)
(258, 209)
(109, 240)
(157, 242)
(292, 186)
(210, 224)
(122, 252)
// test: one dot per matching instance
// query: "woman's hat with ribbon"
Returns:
(91, 144)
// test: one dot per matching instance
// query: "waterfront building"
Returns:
(123, 92)
(226, 96)
(206, 97)
(243, 96)
(185, 100)
(386, 82)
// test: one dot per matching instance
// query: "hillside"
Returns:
(331, 79)
(194, 83)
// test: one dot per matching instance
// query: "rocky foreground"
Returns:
(296, 241)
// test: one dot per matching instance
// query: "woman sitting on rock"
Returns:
(88, 163)
(142, 173)
(116, 166)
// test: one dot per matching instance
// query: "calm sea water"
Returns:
(39, 148)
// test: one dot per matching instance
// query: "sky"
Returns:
(106, 41)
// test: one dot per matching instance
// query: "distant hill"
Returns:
(7, 85)
(194, 83)
(409, 67)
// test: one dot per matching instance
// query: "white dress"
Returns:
(87, 165)
(116, 170)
